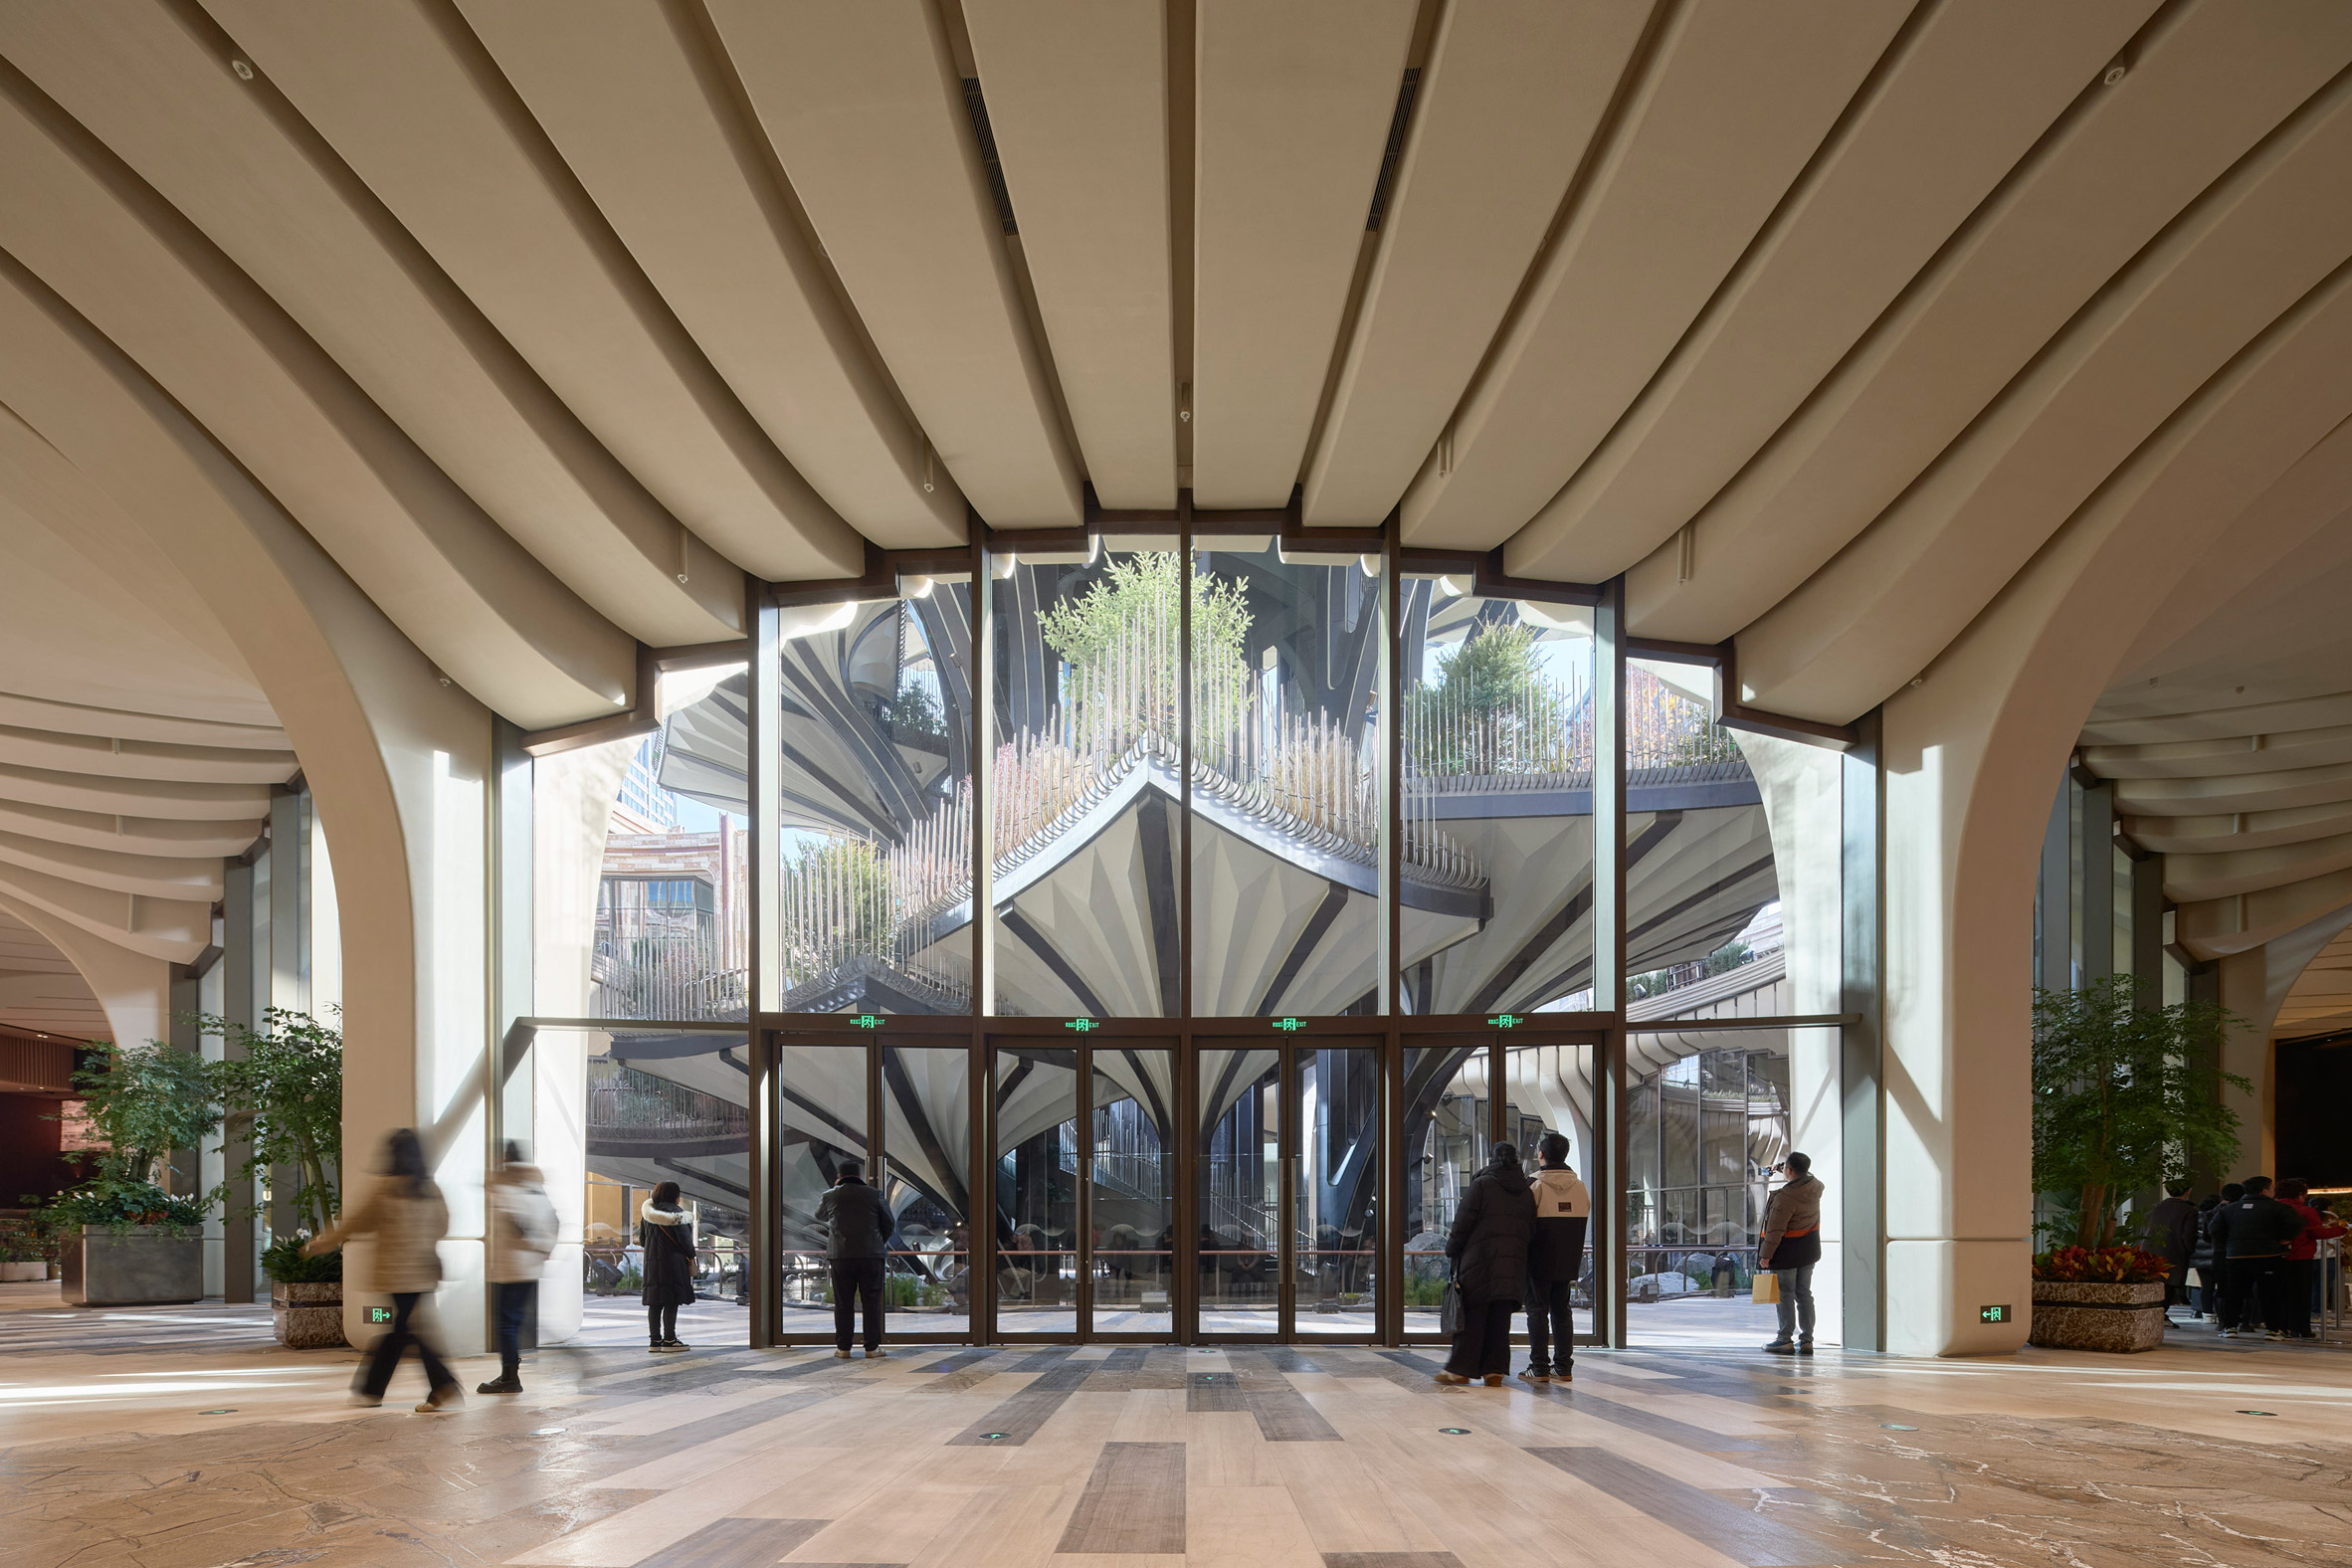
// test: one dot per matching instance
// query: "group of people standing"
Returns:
(2255, 1255)
(1517, 1240)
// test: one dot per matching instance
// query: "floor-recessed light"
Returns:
(2257, 1413)
(231, 1411)
(1455, 1432)
(545, 1431)
(1896, 1426)
(991, 1436)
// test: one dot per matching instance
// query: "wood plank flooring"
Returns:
(186, 1439)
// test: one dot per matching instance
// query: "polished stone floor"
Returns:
(185, 1437)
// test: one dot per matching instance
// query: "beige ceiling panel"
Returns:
(173, 930)
(152, 80)
(2292, 786)
(2219, 758)
(409, 99)
(1293, 108)
(1959, 100)
(1505, 108)
(143, 759)
(865, 109)
(1077, 101)
(2221, 875)
(2215, 927)
(2112, 727)
(148, 875)
(2249, 830)
(2208, 83)
(1734, 101)
(134, 797)
(458, 585)
(2220, 275)
(157, 836)
(636, 99)
(74, 718)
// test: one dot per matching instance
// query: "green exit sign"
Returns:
(1289, 1026)
(1081, 1025)
(379, 1315)
(1505, 1021)
(1993, 1314)
(867, 1021)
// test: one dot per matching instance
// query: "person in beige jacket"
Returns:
(1789, 1246)
(407, 1218)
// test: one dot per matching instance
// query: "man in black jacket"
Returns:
(857, 1236)
(2252, 1234)
(2171, 1234)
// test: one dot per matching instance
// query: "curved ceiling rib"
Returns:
(408, 97)
(39, 989)
(153, 81)
(639, 102)
(1077, 101)
(865, 109)
(1730, 104)
(1501, 118)
(1293, 112)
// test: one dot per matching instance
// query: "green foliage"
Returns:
(1490, 708)
(25, 1242)
(906, 1290)
(146, 1101)
(285, 1096)
(1421, 1292)
(118, 1202)
(2127, 1265)
(1728, 957)
(915, 712)
(285, 1263)
(1132, 611)
(2125, 1100)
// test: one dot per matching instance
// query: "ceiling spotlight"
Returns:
(2115, 72)
(244, 71)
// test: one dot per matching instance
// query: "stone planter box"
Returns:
(144, 1265)
(308, 1316)
(17, 1273)
(2117, 1317)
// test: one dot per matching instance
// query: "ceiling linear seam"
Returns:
(822, 528)
(453, 526)
(649, 529)
(1865, 101)
(1885, 335)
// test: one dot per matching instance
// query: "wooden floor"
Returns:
(185, 1437)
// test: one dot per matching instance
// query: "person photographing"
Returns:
(1790, 1248)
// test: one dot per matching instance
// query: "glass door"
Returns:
(904, 1112)
(1287, 1180)
(1084, 1189)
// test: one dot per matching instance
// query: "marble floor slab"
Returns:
(185, 1437)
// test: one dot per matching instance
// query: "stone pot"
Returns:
(14, 1272)
(2117, 1317)
(308, 1316)
(144, 1265)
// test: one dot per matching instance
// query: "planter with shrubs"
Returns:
(2108, 1299)
(306, 1294)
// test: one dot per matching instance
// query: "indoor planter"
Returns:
(131, 1265)
(2109, 1299)
(306, 1294)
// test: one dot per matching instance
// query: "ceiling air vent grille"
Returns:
(1388, 159)
(988, 157)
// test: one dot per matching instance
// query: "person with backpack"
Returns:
(407, 1218)
(665, 1234)
(2254, 1234)
(1789, 1246)
(522, 1235)
(858, 1224)
(1563, 1208)
(1493, 1229)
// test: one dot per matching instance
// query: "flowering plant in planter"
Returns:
(2127, 1265)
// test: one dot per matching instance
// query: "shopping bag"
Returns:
(1767, 1290)
(1450, 1309)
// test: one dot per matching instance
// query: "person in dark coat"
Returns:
(1563, 1207)
(2216, 1279)
(665, 1234)
(2254, 1234)
(1492, 1232)
(2206, 1302)
(1791, 1248)
(2171, 1234)
(858, 1227)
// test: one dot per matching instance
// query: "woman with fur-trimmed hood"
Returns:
(667, 1234)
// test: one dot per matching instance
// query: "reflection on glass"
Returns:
(1286, 810)
(926, 1143)
(1496, 802)
(821, 1111)
(1239, 1192)
(1083, 814)
(1334, 1221)
(1445, 1145)
(1037, 1190)
(659, 1105)
(1548, 1089)
(1132, 1191)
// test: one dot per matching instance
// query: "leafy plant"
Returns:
(146, 1101)
(24, 1242)
(285, 1096)
(2124, 1100)
(119, 1204)
(1130, 614)
(915, 712)
(285, 1263)
(2127, 1265)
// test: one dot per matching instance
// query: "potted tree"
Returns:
(283, 1094)
(24, 1251)
(124, 1238)
(2125, 1098)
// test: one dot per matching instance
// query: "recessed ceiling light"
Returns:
(244, 71)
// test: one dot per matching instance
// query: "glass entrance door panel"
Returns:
(1334, 1224)
(822, 1122)
(1547, 1089)
(926, 1100)
(1240, 1175)
(1448, 1121)
(1130, 1190)
(1035, 1130)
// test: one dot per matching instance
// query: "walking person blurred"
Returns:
(1493, 1229)
(1555, 1258)
(2301, 1291)
(522, 1234)
(407, 1216)
(1789, 1246)
(858, 1226)
(2171, 1234)
(665, 1233)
